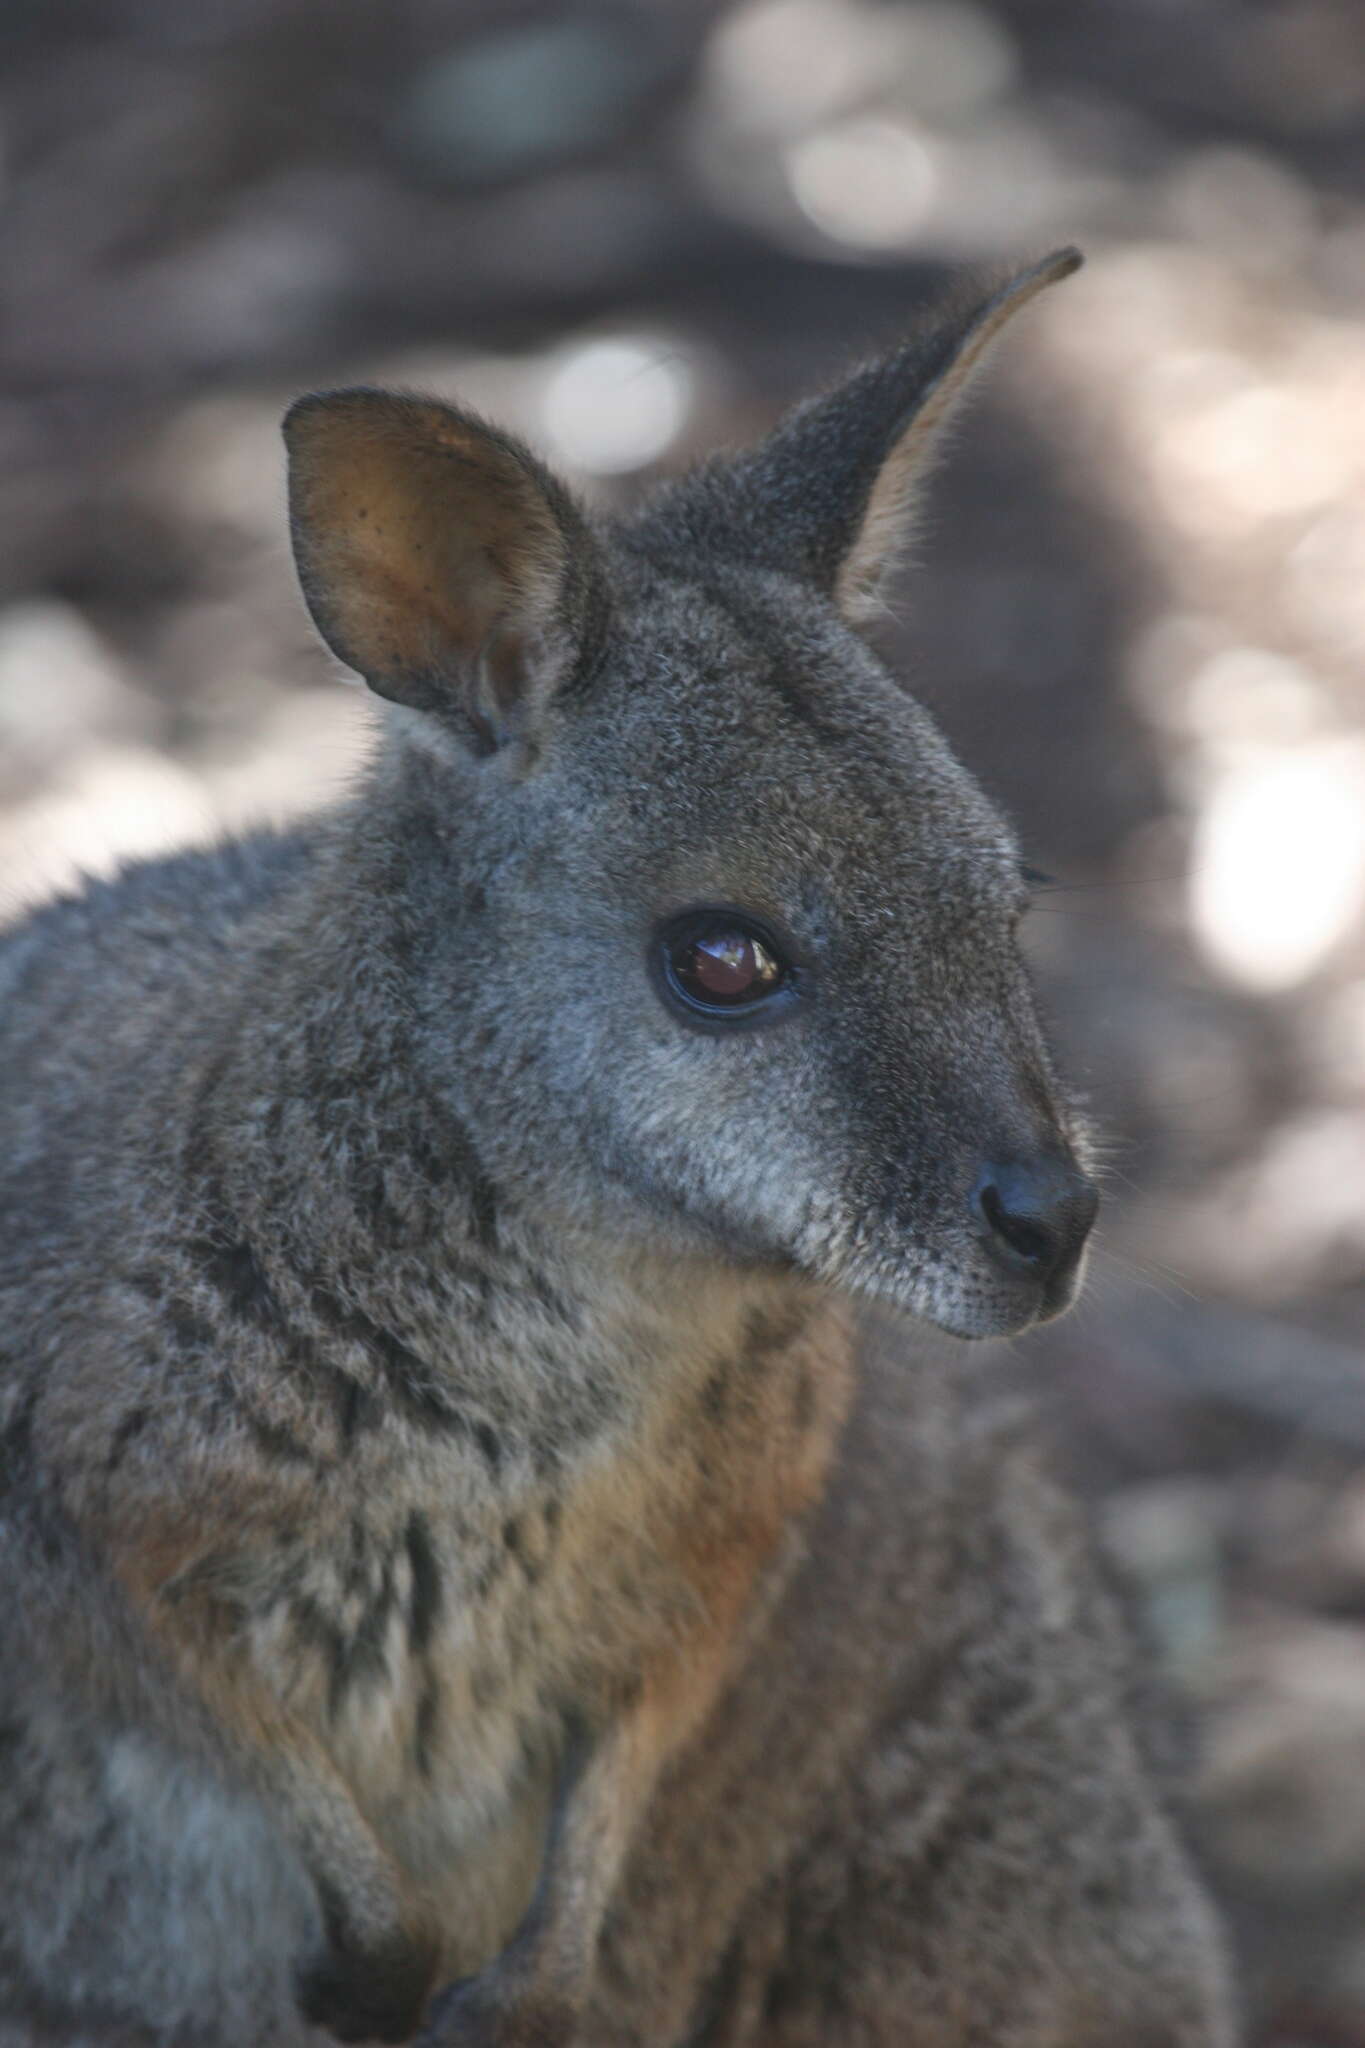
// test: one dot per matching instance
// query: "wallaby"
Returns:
(485, 1555)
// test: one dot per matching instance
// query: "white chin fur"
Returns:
(961, 1306)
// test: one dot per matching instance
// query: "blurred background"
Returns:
(634, 230)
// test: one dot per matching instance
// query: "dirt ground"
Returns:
(635, 230)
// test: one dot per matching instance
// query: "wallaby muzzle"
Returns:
(1034, 1216)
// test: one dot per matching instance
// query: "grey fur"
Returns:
(430, 1542)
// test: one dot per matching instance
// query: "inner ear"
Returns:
(437, 557)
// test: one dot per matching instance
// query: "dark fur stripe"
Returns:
(427, 1592)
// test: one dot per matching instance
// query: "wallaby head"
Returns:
(708, 937)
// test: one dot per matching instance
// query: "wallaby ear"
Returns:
(439, 558)
(830, 495)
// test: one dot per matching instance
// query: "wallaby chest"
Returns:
(438, 1617)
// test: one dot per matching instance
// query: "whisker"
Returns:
(1152, 1273)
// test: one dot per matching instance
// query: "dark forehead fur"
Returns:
(746, 700)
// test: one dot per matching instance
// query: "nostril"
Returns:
(1034, 1215)
(1024, 1234)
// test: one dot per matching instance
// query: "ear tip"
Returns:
(1063, 262)
(312, 406)
(1017, 287)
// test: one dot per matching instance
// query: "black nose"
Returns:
(1034, 1214)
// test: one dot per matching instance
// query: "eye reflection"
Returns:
(718, 965)
(726, 967)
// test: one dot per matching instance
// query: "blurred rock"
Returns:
(509, 103)
(62, 693)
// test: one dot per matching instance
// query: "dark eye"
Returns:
(724, 968)
(720, 965)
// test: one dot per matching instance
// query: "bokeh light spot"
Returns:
(869, 183)
(614, 405)
(1279, 872)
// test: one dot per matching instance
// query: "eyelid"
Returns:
(1034, 878)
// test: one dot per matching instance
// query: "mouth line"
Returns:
(977, 1333)
(962, 1304)
(948, 1291)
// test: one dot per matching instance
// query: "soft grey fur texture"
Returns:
(475, 1503)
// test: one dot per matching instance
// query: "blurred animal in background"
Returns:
(484, 1555)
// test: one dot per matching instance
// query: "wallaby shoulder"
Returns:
(177, 901)
(92, 983)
